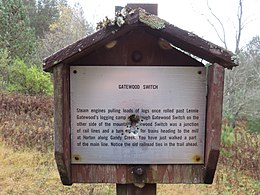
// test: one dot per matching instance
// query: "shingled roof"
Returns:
(182, 39)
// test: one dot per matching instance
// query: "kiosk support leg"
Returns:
(131, 189)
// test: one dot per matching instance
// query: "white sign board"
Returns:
(137, 114)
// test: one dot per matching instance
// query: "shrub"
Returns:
(254, 125)
(30, 80)
(227, 135)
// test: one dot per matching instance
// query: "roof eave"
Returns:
(182, 39)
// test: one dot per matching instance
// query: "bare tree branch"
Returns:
(222, 39)
(240, 26)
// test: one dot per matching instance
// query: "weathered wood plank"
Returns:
(124, 174)
(61, 123)
(214, 120)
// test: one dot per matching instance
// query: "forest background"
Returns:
(31, 30)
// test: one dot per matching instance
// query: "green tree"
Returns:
(46, 13)
(70, 26)
(42, 13)
(16, 35)
(4, 68)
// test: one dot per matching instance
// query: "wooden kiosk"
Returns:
(135, 106)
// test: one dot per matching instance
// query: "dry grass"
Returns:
(27, 163)
(33, 172)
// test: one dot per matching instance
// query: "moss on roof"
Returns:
(151, 20)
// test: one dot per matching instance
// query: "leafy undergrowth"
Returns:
(27, 163)
(243, 152)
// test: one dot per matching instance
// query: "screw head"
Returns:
(137, 56)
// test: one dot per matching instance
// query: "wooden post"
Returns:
(214, 119)
(131, 189)
(140, 187)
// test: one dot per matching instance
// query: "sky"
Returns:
(189, 15)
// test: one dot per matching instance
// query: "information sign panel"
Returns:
(137, 114)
